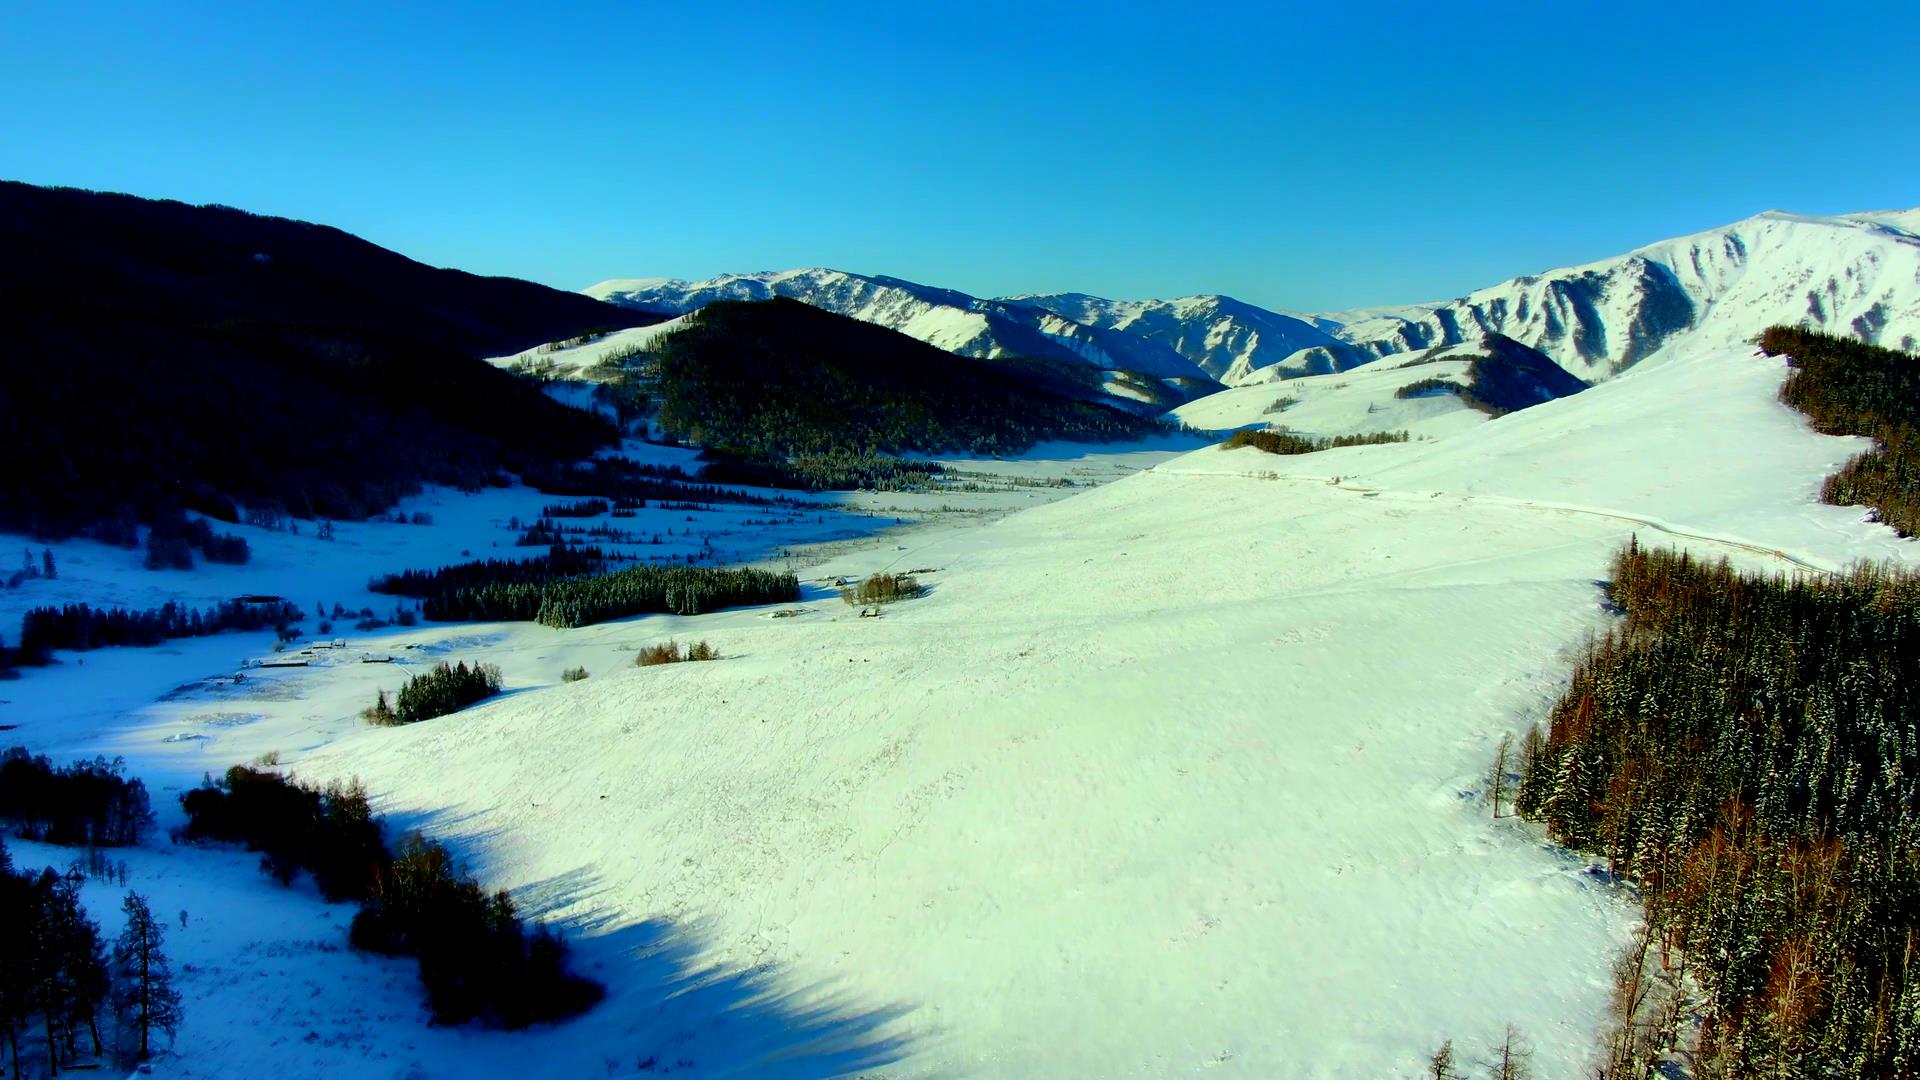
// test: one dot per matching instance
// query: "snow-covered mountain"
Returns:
(944, 318)
(1218, 333)
(1856, 274)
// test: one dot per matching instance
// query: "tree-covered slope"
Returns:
(782, 377)
(160, 355)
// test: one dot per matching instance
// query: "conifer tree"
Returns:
(144, 1000)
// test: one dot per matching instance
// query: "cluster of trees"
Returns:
(670, 652)
(1510, 1059)
(1280, 404)
(776, 378)
(882, 589)
(174, 536)
(211, 350)
(446, 688)
(839, 470)
(629, 483)
(478, 960)
(639, 590)
(560, 561)
(81, 626)
(1747, 749)
(32, 569)
(1848, 387)
(91, 803)
(1506, 378)
(1286, 442)
(582, 508)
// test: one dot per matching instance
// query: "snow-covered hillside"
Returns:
(1218, 333)
(944, 318)
(1179, 773)
(1856, 274)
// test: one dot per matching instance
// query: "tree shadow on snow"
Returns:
(671, 1007)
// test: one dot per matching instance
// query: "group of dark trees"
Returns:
(446, 688)
(1847, 387)
(1285, 442)
(89, 803)
(174, 536)
(630, 483)
(478, 960)
(560, 561)
(839, 470)
(776, 378)
(521, 592)
(1746, 748)
(81, 626)
(217, 359)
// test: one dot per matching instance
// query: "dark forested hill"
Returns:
(160, 355)
(779, 377)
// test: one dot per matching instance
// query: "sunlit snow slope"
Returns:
(1175, 774)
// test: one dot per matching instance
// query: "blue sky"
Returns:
(1295, 156)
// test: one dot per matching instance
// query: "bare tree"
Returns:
(1497, 775)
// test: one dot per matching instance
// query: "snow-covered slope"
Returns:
(944, 318)
(1218, 333)
(1855, 274)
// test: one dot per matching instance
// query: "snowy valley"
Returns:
(1178, 765)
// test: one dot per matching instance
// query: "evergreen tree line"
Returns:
(81, 626)
(1847, 387)
(630, 483)
(638, 590)
(1746, 748)
(89, 803)
(478, 960)
(561, 561)
(57, 977)
(839, 470)
(583, 508)
(437, 692)
(1286, 442)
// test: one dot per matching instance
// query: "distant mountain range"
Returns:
(1854, 274)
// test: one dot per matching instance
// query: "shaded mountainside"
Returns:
(164, 355)
(1217, 333)
(782, 377)
(950, 320)
(1501, 376)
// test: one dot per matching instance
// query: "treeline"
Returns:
(89, 803)
(561, 561)
(443, 689)
(1848, 387)
(1286, 442)
(638, 590)
(778, 378)
(840, 470)
(478, 960)
(1747, 749)
(81, 627)
(629, 483)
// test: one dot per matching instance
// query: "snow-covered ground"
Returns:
(1179, 773)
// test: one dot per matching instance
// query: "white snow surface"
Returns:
(1179, 773)
(571, 361)
(1218, 333)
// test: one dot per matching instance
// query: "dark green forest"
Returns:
(1745, 748)
(1285, 442)
(776, 378)
(1848, 387)
(165, 356)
